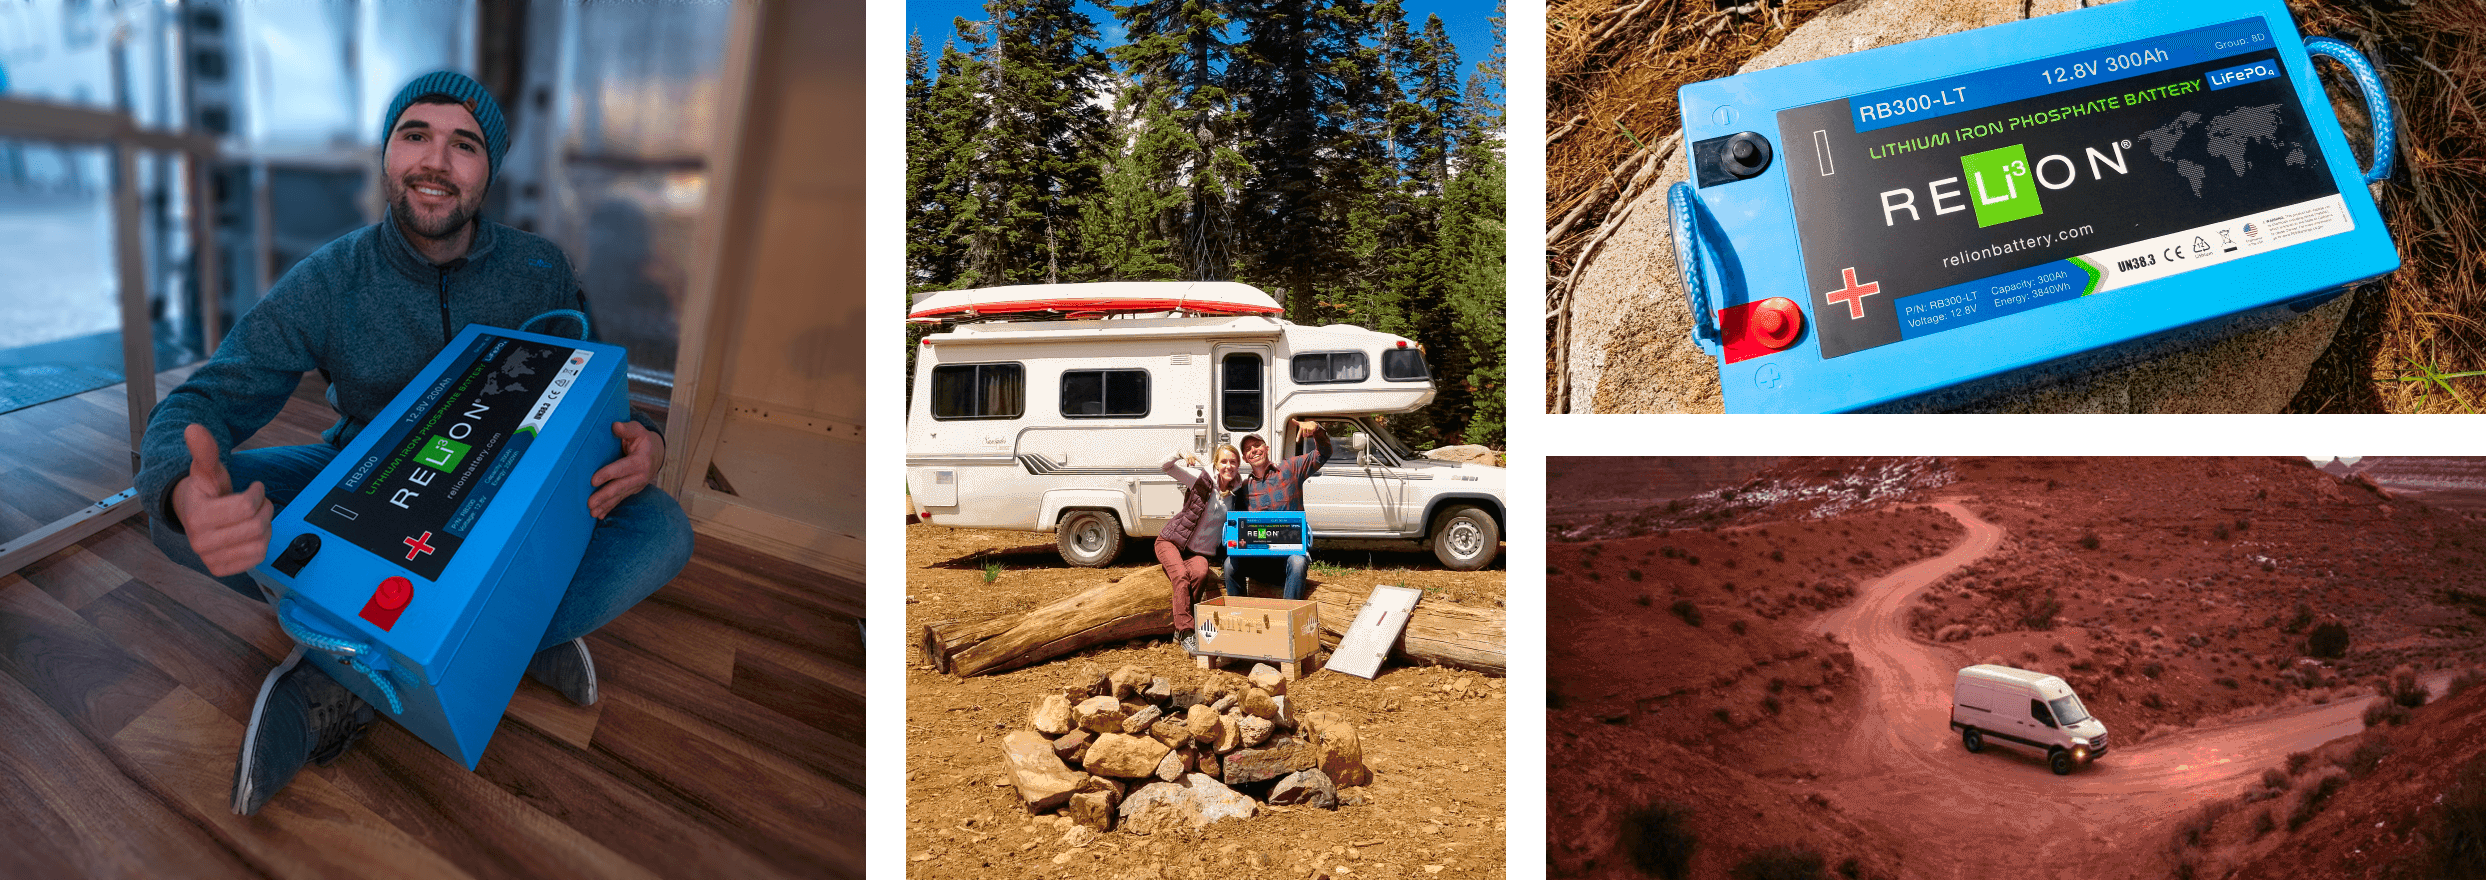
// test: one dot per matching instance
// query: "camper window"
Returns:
(1104, 394)
(1403, 365)
(1322, 367)
(1239, 380)
(979, 391)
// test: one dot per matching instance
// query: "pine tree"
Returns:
(1037, 154)
(1186, 127)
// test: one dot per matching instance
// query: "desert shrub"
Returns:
(2309, 801)
(2153, 669)
(2406, 691)
(2385, 712)
(1668, 551)
(1684, 608)
(2153, 700)
(1594, 577)
(2039, 613)
(1777, 685)
(2296, 762)
(2368, 755)
(2465, 680)
(2329, 640)
(1737, 626)
(2243, 524)
(2263, 821)
(1551, 569)
(2274, 778)
(2303, 618)
(1644, 600)
(2191, 832)
(2228, 682)
(1777, 555)
(1780, 863)
(1689, 559)
(2459, 848)
(2089, 541)
(1770, 704)
(1659, 839)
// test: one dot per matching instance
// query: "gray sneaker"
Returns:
(301, 716)
(567, 668)
(1191, 644)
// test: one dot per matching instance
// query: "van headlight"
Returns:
(2082, 742)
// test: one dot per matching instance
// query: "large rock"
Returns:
(1105, 784)
(1256, 703)
(1072, 746)
(1051, 716)
(1255, 731)
(1129, 757)
(1043, 781)
(1089, 682)
(1220, 683)
(1129, 682)
(1205, 761)
(1229, 734)
(1094, 809)
(1099, 714)
(1202, 723)
(1310, 787)
(1340, 752)
(1279, 759)
(1138, 723)
(1628, 335)
(1170, 731)
(1192, 803)
(1158, 691)
(1267, 678)
(1175, 763)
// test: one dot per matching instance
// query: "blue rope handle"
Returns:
(1687, 258)
(574, 314)
(347, 650)
(2377, 100)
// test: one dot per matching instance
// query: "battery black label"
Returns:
(1953, 217)
(418, 494)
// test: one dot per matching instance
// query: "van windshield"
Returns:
(2067, 711)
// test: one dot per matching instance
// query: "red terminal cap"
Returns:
(1777, 321)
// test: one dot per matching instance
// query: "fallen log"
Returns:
(1438, 633)
(1135, 607)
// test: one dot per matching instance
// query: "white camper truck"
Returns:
(1048, 408)
(2026, 708)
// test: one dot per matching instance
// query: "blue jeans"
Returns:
(1292, 569)
(634, 551)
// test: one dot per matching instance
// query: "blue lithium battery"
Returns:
(1268, 533)
(424, 564)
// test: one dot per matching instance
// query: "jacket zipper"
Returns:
(444, 307)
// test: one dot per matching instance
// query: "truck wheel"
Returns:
(1088, 538)
(1968, 736)
(1464, 538)
(2061, 761)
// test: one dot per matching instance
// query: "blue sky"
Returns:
(1464, 19)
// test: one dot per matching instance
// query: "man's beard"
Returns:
(401, 206)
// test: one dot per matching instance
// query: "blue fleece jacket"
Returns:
(368, 312)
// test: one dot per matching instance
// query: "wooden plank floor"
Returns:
(728, 741)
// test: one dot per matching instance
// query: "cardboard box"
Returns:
(1276, 630)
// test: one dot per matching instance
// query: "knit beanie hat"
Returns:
(478, 101)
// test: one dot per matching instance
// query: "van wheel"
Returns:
(1972, 739)
(1088, 538)
(1464, 538)
(2061, 761)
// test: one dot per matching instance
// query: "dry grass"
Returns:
(2414, 342)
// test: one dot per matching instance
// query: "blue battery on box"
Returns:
(1268, 533)
(423, 565)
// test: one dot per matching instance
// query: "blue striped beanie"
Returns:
(478, 101)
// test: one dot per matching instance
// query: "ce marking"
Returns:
(2173, 252)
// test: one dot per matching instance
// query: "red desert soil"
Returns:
(1433, 737)
(1780, 724)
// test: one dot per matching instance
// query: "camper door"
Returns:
(1243, 397)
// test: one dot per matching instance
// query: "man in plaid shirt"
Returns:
(1275, 487)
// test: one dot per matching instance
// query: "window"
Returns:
(1403, 365)
(979, 391)
(2038, 711)
(1323, 367)
(1104, 394)
(1239, 387)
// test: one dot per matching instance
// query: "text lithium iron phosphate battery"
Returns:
(424, 563)
(2106, 181)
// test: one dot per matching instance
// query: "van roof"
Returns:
(2048, 685)
(1228, 326)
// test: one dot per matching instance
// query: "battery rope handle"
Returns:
(573, 314)
(347, 650)
(2377, 100)
(1687, 258)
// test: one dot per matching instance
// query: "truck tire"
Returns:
(1968, 736)
(2061, 761)
(1088, 538)
(1464, 538)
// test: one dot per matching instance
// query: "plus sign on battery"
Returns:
(1853, 294)
(418, 545)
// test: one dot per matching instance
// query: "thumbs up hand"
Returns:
(227, 529)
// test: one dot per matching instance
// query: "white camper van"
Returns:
(2026, 708)
(1049, 408)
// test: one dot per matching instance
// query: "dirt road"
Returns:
(2002, 812)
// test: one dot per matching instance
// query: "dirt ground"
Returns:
(1434, 738)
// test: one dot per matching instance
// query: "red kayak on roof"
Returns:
(1094, 299)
